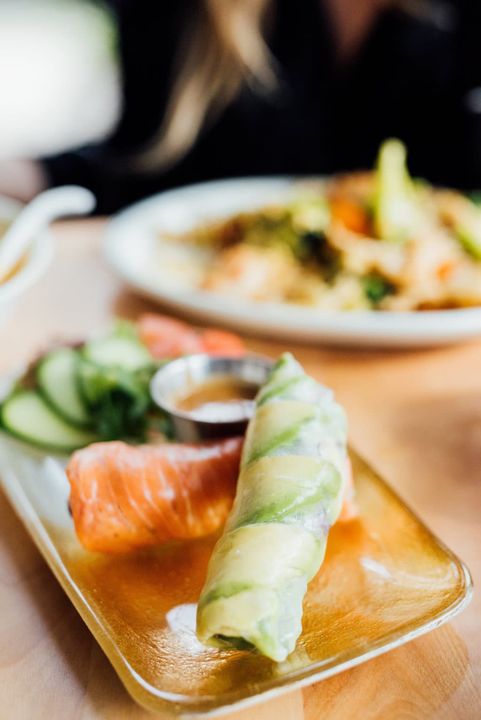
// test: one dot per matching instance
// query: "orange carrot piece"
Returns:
(445, 270)
(166, 337)
(221, 342)
(351, 215)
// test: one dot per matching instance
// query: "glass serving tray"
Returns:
(386, 580)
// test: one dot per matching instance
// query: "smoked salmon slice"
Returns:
(166, 337)
(126, 497)
(222, 342)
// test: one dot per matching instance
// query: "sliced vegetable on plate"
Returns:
(167, 337)
(99, 389)
(58, 381)
(27, 416)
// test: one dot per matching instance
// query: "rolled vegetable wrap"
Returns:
(289, 494)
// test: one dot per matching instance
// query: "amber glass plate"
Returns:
(386, 579)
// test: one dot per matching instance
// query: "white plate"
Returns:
(149, 263)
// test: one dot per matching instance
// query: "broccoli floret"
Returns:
(376, 288)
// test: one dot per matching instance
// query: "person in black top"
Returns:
(217, 88)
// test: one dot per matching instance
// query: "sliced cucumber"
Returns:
(29, 417)
(120, 351)
(57, 379)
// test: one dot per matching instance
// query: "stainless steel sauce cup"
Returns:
(179, 375)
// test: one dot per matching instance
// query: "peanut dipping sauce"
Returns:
(221, 398)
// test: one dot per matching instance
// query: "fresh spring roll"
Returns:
(289, 494)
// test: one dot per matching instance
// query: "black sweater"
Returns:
(414, 77)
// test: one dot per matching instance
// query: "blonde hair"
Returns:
(222, 50)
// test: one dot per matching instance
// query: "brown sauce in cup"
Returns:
(221, 398)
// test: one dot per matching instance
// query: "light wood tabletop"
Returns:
(416, 416)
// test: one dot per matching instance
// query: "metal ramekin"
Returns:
(178, 375)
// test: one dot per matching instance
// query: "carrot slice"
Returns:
(445, 270)
(351, 215)
(166, 337)
(221, 342)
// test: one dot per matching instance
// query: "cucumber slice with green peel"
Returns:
(28, 416)
(57, 378)
(121, 351)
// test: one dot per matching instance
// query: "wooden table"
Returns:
(415, 415)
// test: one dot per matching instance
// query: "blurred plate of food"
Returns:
(364, 258)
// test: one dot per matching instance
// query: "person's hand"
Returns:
(22, 179)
